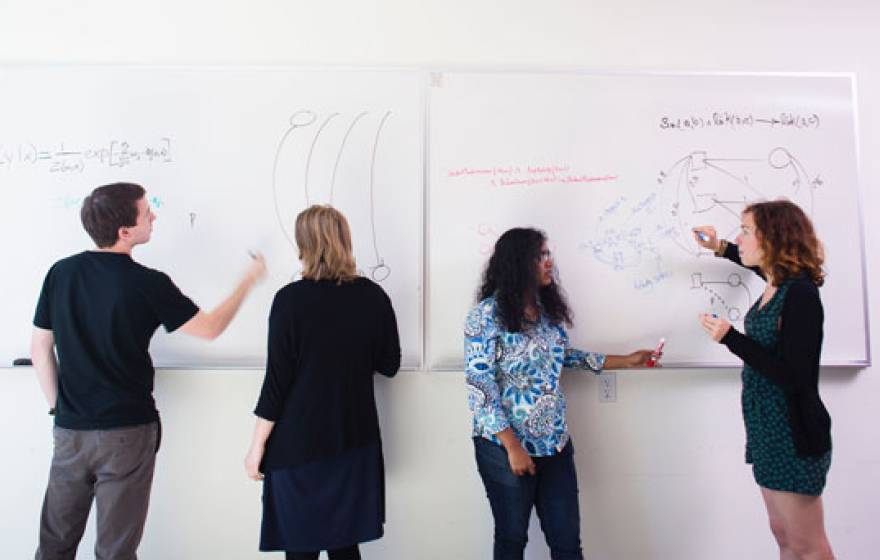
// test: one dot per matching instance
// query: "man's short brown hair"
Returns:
(109, 208)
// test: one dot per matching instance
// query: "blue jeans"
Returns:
(552, 491)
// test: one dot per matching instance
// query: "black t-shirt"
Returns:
(325, 342)
(103, 308)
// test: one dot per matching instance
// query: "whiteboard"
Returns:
(228, 156)
(617, 169)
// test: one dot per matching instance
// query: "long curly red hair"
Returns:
(788, 240)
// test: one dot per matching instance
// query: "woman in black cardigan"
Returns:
(788, 429)
(316, 444)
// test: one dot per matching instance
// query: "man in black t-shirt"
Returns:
(99, 309)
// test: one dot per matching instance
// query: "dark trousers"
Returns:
(112, 467)
(552, 491)
(350, 553)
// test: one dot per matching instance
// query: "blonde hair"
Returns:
(324, 241)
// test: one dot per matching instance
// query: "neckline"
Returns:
(772, 298)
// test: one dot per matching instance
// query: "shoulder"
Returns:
(487, 307)
(802, 297)
(367, 292)
(291, 291)
(367, 285)
(801, 289)
(560, 330)
(151, 276)
(69, 263)
(481, 317)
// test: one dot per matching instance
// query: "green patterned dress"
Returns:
(769, 445)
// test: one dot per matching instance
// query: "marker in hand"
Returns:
(655, 355)
(704, 237)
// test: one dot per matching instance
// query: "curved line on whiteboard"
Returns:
(380, 271)
(312, 149)
(339, 153)
(310, 116)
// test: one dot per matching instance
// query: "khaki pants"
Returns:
(113, 467)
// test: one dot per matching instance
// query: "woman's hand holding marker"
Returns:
(654, 360)
(715, 327)
(706, 237)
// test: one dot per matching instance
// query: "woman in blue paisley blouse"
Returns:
(788, 429)
(515, 348)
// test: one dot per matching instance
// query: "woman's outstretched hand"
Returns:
(637, 359)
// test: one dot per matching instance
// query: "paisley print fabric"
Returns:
(513, 379)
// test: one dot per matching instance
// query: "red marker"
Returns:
(655, 355)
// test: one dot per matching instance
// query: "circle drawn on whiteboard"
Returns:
(380, 272)
(303, 117)
(779, 158)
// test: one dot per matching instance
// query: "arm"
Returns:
(636, 359)
(276, 385)
(590, 361)
(484, 395)
(254, 456)
(800, 341)
(520, 461)
(280, 362)
(597, 362)
(730, 251)
(707, 237)
(211, 324)
(45, 365)
(388, 360)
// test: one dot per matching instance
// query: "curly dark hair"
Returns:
(511, 276)
(788, 240)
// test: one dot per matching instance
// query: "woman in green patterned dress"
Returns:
(788, 429)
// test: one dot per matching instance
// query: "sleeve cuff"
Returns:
(265, 414)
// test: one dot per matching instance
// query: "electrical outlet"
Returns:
(608, 387)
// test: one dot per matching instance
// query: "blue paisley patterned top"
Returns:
(513, 378)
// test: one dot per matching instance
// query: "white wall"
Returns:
(661, 472)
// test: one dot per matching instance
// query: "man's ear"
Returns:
(123, 233)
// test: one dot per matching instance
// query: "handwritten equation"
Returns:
(63, 159)
(726, 119)
(527, 175)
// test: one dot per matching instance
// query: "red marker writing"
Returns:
(655, 355)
